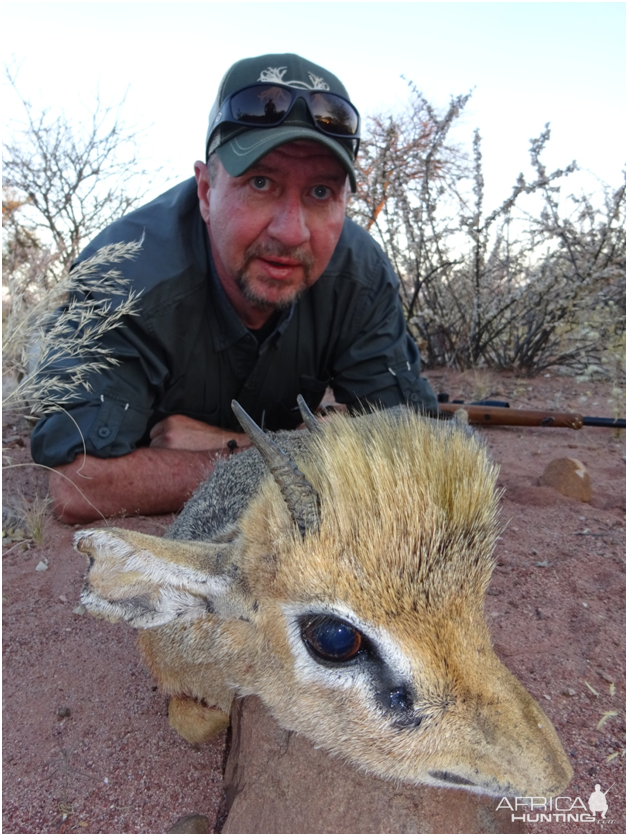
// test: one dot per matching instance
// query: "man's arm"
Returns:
(151, 480)
(375, 362)
(378, 362)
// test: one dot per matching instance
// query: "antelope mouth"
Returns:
(451, 778)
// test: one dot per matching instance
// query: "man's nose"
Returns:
(289, 222)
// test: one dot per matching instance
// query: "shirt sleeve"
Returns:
(379, 365)
(110, 416)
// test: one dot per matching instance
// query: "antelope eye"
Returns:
(331, 639)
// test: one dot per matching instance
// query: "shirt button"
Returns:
(104, 432)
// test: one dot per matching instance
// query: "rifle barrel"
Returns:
(591, 421)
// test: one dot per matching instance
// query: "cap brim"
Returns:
(240, 153)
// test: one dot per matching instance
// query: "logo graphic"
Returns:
(276, 74)
(563, 808)
(598, 802)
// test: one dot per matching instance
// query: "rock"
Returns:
(194, 823)
(277, 782)
(41, 566)
(569, 692)
(569, 477)
(10, 519)
(14, 439)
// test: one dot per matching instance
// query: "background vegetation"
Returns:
(62, 184)
(534, 283)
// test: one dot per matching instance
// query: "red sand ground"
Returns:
(87, 746)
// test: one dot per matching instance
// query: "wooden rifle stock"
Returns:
(504, 416)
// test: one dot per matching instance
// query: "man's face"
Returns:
(274, 229)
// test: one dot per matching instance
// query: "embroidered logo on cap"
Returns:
(276, 74)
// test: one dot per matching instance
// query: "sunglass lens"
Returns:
(261, 105)
(333, 114)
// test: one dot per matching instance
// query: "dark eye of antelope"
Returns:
(331, 639)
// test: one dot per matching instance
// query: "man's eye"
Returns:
(321, 192)
(261, 184)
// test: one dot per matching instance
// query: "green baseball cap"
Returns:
(239, 147)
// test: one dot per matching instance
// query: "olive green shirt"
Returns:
(188, 353)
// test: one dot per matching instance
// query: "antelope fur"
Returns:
(407, 512)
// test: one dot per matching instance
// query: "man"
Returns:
(254, 286)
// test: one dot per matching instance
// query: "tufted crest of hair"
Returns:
(408, 506)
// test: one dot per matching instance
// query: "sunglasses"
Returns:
(268, 105)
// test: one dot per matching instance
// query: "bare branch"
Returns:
(73, 179)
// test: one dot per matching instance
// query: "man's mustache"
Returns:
(277, 250)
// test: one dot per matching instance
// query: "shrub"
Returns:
(536, 283)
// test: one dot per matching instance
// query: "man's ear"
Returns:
(203, 188)
(149, 581)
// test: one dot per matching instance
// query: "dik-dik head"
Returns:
(349, 597)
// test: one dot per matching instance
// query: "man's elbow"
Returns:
(68, 502)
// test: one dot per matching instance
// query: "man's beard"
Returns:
(267, 251)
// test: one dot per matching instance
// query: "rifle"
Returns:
(499, 413)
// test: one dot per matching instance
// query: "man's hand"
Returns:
(178, 432)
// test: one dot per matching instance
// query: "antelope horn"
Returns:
(298, 494)
(309, 419)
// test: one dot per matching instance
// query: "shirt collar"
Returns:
(228, 328)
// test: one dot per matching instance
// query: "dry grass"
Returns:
(27, 518)
(49, 356)
(36, 514)
(481, 382)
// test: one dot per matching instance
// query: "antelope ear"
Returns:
(149, 581)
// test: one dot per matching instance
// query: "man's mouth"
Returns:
(279, 268)
(281, 263)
